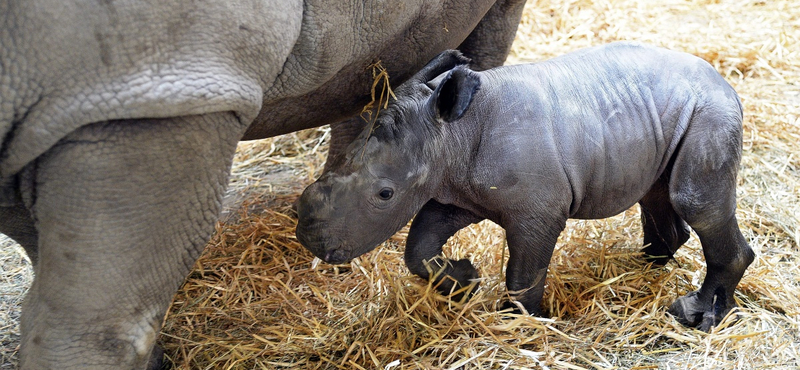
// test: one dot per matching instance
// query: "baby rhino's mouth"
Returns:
(311, 237)
(336, 256)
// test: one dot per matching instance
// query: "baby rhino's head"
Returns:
(390, 170)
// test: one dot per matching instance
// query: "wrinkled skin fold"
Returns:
(585, 135)
(119, 121)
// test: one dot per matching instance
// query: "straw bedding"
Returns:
(257, 300)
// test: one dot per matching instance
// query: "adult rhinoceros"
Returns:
(119, 120)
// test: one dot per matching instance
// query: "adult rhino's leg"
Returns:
(433, 225)
(664, 230)
(489, 43)
(17, 224)
(703, 192)
(123, 209)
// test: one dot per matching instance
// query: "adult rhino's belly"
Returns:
(328, 77)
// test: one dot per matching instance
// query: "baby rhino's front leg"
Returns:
(433, 225)
(530, 245)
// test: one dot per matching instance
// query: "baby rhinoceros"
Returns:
(585, 135)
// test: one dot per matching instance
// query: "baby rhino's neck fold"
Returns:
(451, 158)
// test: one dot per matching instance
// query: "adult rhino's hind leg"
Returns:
(123, 210)
(489, 43)
(664, 231)
(703, 192)
(433, 225)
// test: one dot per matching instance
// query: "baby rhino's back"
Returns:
(612, 116)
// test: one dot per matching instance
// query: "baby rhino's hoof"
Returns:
(656, 255)
(691, 311)
(455, 276)
(516, 308)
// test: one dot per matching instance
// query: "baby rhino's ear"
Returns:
(454, 94)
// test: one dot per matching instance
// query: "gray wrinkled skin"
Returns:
(586, 135)
(119, 120)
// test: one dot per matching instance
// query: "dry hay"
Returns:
(16, 276)
(258, 300)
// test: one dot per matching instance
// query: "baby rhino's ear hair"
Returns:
(454, 94)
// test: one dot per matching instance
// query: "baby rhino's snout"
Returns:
(311, 219)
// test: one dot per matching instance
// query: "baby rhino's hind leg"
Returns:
(702, 190)
(664, 230)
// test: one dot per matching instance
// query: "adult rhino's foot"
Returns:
(692, 311)
(456, 279)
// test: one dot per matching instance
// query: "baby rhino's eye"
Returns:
(386, 193)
